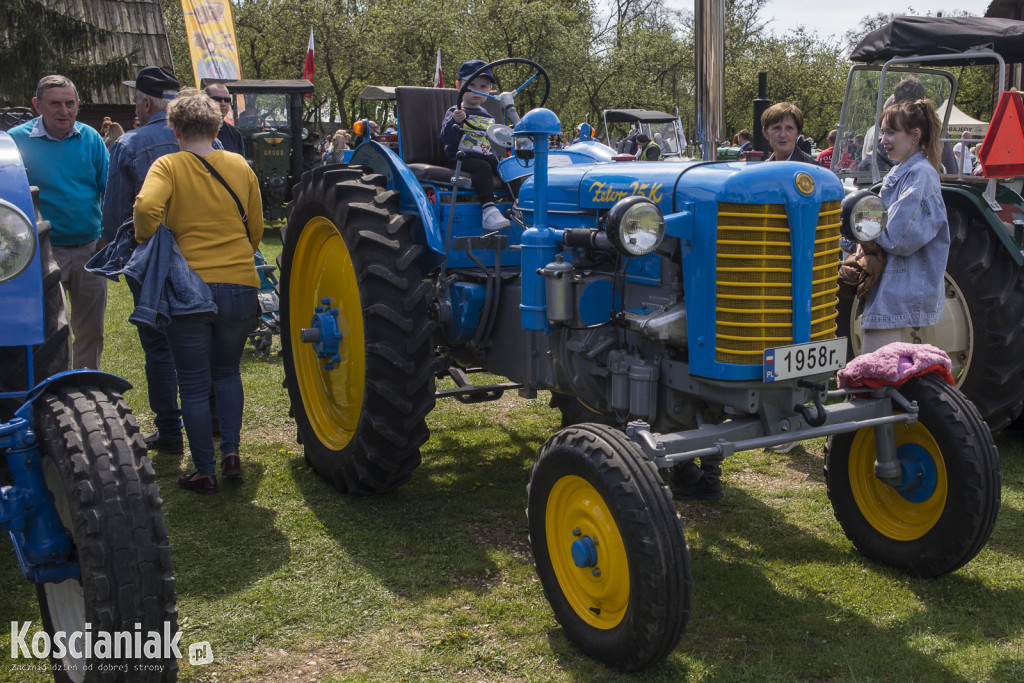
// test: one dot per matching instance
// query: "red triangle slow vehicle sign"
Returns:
(1002, 151)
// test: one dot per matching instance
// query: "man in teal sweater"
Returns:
(68, 161)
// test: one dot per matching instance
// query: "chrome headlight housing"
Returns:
(864, 216)
(17, 241)
(635, 226)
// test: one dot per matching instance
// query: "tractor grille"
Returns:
(754, 290)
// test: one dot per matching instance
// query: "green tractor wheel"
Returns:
(980, 328)
(943, 512)
(355, 335)
(609, 547)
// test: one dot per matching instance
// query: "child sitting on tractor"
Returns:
(464, 130)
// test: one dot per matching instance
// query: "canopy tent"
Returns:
(912, 35)
(959, 122)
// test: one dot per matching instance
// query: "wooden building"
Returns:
(138, 26)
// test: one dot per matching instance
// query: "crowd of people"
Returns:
(173, 207)
(174, 198)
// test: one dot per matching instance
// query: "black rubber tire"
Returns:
(942, 532)
(993, 288)
(54, 354)
(575, 412)
(374, 445)
(645, 552)
(94, 462)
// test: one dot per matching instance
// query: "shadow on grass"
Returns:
(436, 534)
(211, 533)
(777, 598)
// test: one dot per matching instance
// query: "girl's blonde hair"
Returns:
(194, 115)
(907, 116)
(114, 132)
(338, 141)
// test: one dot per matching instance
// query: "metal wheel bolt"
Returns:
(577, 532)
(596, 572)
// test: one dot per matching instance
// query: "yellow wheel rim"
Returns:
(885, 508)
(575, 511)
(322, 268)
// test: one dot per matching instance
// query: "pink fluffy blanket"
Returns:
(894, 364)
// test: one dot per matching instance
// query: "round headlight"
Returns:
(864, 216)
(635, 226)
(17, 241)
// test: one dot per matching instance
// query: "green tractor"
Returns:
(268, 114)
(981, 328)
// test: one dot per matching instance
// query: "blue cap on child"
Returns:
(468, 68)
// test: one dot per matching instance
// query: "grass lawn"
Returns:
(288, 580)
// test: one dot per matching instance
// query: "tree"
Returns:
(37, 39)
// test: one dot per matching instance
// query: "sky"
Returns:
(831, 18)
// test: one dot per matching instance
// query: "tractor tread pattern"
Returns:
(118, 525)
(399, 356)
(660, 580)
(972, 472)
(994, 288)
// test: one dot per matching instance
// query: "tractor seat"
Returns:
(420, 112)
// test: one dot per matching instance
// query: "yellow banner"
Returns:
(211, 39)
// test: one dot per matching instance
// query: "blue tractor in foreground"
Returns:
(78, 495)
(674, 310)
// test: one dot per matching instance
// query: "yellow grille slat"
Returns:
(747, 300)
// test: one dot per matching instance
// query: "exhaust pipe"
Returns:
(709, 42)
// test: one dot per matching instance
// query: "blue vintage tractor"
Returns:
(79, 497)
(675, 310)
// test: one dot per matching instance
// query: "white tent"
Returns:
(960, 122)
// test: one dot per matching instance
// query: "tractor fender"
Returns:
(427, 231)
(1001, 223)
(103, 380)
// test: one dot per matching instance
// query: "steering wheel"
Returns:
(13, 116)
(505, 98)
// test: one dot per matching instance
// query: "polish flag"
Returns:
(438, 77)
(307, 69)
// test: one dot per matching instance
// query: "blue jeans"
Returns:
(207, 350)
(161, 379)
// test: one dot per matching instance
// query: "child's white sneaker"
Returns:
(493, 220)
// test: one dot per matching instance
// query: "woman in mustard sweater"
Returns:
(181, 192)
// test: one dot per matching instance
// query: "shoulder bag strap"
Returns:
(238, 203)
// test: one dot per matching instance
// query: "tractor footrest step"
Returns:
(478, 393)
(467, 392)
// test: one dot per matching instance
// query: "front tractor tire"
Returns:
(609, 547)
(943, 512)
(105, 491)
(360, 391)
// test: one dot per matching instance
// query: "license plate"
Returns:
(800, 360)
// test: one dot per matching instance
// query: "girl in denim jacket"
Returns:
(916, 237)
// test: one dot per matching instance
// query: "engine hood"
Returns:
(671, 184)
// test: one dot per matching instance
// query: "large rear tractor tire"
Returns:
(980, 328)
(94, 464)
(609, 547)
(360, 391)
(944, 510)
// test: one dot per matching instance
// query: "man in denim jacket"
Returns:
(130, 158)
(916, 237)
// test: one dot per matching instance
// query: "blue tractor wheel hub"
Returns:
(323, 334)
(584, 552)
(920, 476)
